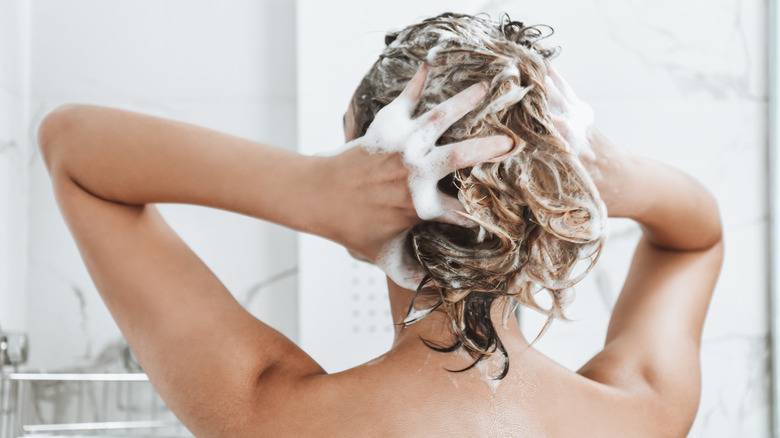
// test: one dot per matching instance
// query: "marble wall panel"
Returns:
(163, 50)
(680, 82)
(12, 169)
(684, 83)
(736, 354)
(226, 67)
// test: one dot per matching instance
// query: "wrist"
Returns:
(616, 173)
(634, 187)
(314, 192)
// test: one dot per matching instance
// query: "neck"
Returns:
(436, 328)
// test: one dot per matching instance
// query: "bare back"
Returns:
(408, 395)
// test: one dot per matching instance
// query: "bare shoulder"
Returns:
(395, 397)
(578, 405)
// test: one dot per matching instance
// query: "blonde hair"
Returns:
(538, 210)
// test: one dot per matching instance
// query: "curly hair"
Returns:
(538, 210)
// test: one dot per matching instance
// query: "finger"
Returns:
(561, 84)
(453, 109)
(450, 203)
(444, 160)
(555, 99)
(458, 218)
(413, 89)
(425, 197)
(562, 127)
(453, 212)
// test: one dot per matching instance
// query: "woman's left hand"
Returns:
(572, 117)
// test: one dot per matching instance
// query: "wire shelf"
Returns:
(83, 405)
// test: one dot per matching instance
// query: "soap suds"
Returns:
(510, 310)
(398, 264)
(416, 315)
(485, 368)
(453, 380)
(394, 131)
(573, 117)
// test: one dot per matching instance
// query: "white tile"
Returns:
(239, 249)
(270, 121)
(67, 321)
(10, 108)
(242, 251)
(735, 401)
(741, 300)
(274, 300)
(156, 50)
(10, 46)
(658, 49)
(753, 21)
(721, 143)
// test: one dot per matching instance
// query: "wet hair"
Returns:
(538, 211)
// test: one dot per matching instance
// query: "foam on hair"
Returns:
(538, 210)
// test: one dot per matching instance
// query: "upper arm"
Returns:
(204, 353)
(655, 331)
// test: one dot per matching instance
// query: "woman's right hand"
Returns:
(386, 181)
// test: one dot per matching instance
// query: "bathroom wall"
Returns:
(224, 65)
(341, 298)
(684, 83)
(681, 82)
(13, 169)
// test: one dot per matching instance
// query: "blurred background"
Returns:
(682, 82)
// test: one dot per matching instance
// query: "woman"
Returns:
(109, 167)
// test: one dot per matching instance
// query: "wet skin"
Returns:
(109, 167)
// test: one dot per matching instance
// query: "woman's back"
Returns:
(409, 394)
(644, 383)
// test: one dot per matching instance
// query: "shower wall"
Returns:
(224, 65)
(681, 82)
(684, 83)
(13, 169)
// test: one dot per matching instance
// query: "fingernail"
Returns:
(506, 143)
(479, 90)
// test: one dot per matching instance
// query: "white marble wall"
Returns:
(684, 83)
(13, 169)
(681, 82)
(224, 65)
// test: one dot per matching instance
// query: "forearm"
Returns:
(359, 198)
(679, 212)
(131, 158)
(675, 211)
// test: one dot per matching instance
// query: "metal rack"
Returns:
(83, 405)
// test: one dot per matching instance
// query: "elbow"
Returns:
(54, 131)
(716, 239)
(707, 233)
